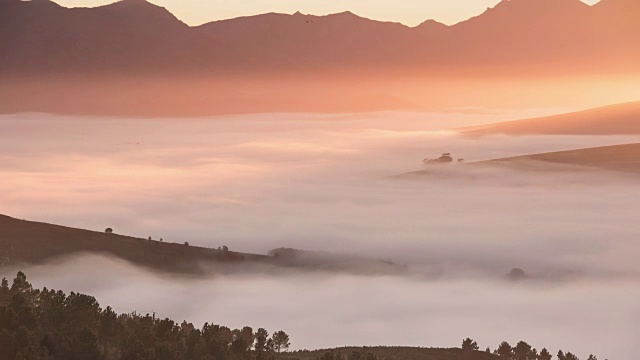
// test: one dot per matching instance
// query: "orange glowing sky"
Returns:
(409, 12)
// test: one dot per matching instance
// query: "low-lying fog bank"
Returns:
(328, 183)
(323, 310)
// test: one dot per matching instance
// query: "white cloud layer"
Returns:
(325, 182)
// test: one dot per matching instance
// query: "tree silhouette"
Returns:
(522, 351)
(239, 347)
(544, 355)
(469, 345)
(108, 231)
(20, 283)
(280, 341)
(570, 356)
(261, 338)
(246, 335)
(505, 351)
(51, 325)
(567, 356)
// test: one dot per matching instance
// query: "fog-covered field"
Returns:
(329, 182)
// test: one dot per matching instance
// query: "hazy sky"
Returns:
(410, 12)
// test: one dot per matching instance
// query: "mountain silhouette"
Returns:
(41, 36)
(523, 30)
(134, 35)
(307, 41)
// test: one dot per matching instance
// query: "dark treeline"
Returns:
(50, 325)
(521, 351)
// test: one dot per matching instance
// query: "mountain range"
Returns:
(549, 36)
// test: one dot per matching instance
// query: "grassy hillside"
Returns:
(395, 353)
(617, 158)
(607, 120)
(620, 158)
(34, 242)
(31, 242)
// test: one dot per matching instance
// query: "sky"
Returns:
(409, 12)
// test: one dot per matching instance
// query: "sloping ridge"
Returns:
(624, 158)
(618, 119)
(28, 242)
(34, 242)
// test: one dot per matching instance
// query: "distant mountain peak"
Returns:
(135, 3)
(31, 4)
(347, 13)
(143, 10)
(346, 16)
(528, 10)
(431, 24)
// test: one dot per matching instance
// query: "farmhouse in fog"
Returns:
(445, 158)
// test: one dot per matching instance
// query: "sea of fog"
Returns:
(329, 183)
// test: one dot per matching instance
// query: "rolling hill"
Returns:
(624, 158)
(608, 120)
(35, 243)
(28, 242)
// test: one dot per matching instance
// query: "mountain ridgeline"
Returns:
(550, 36)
